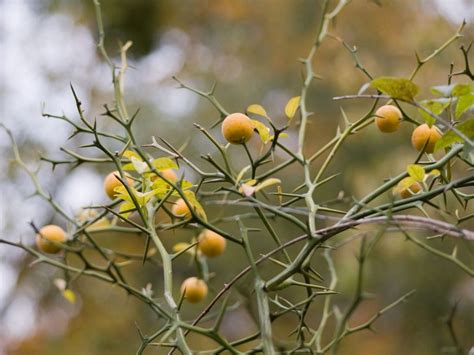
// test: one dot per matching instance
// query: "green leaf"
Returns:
(263, 131)
(465, 102)
(434, 106)
(417, 172)
(449, 138)
(398, 88)
(164, 163)
(292, 106)
(258, 110)
(461, 90)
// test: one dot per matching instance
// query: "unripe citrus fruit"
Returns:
(422, 135)
(237, 128)
(181, 209)
(111, 182)
(211, 244)
(408, 187)
(47, 235)
(194, 289)
(388, 118)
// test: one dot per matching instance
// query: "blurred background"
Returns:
(250, 49)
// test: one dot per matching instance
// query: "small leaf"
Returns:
(191, 197)
(126, 208)
(292, 106)
(241, 174)
(263, 131)
(435, 107)
(434, 172)
(465, 102)
(251, 182)
(129, 154)
(180, 247)
(69, 295)
(164, 163)
(461, 90)
(258, 110)
(449, 138)
(417, 172)
(397, 88)
(267, 183)
(186, 185)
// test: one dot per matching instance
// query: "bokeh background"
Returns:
(250, 49)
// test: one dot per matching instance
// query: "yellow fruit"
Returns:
(237, 128)
(47, 235)
(194, 289)
(408, 187)
(181, 209)
(422, 135)
(111, 182)
(211, 244)
(388, 118)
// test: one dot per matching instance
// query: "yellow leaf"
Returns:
(69, 295)
(263, 131)
(126, 208)
(292, 106)
(417, 172)
(267, 183)
(241, 174)
(129, 154)
(258, 110)
(191, 197)
(180, 247)
(164, 164)
(435, 172)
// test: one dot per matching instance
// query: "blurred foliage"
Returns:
(254, 48)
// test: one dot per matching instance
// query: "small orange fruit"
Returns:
(408, 187)
(237, 128)
(181, 209)
(168, 174)
(211, 244)
(388, 118)
(48, 237)
(422, 135)
(111, 182)
(194, 289)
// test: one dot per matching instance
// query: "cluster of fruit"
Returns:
(210, 244)
(423, 138)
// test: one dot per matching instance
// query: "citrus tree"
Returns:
(151, 193)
